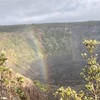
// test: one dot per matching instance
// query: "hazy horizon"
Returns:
(50, 23)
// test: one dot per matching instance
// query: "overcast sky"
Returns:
(48, 11)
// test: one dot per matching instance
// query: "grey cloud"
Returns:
(42, 11)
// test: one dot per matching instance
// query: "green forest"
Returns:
(50, 61)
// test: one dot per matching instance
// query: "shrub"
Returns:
(10, 83)
(91, 74)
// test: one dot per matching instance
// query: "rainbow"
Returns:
(40, 55)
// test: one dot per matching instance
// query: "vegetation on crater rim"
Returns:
(91, 74)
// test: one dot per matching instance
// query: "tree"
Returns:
(91, 74)
(10, 84)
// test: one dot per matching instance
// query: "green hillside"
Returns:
(59, 44)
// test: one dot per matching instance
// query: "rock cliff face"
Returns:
(32, 92)
(59, 45)
(29, 90)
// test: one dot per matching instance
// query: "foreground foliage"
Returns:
(10, 84)
(91, 74)
(40, 85)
